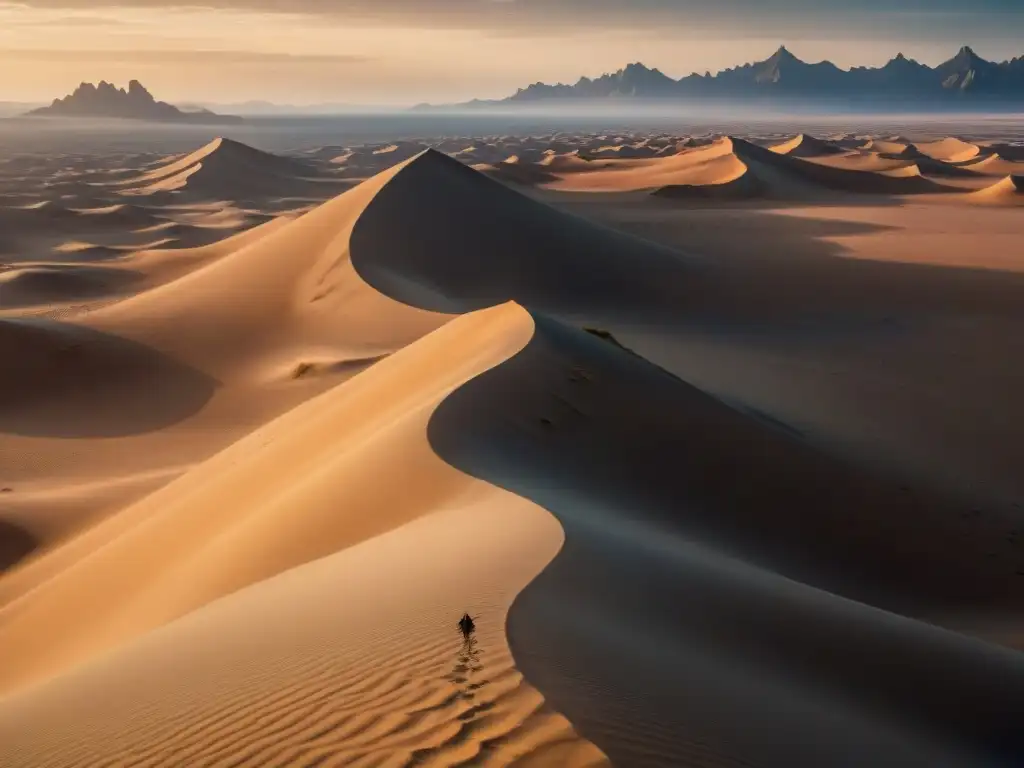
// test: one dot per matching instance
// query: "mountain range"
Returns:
(137, 103)
(965, 78)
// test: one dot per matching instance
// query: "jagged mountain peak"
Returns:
(785, 75)
(136, 102)
(784, 54)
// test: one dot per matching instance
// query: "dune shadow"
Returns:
(482, 243)
(57, 283)
(15, 545)
(768, 272)
(64, 380)
(718, 576)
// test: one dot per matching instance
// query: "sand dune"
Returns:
(247, 492)
(733, 168)
(567, 161)
(759, 172)
(225, 155)
(225, 169)
(951, 150)
(49, 283)
(995, 165)
(123, 215)
(1008, 191)
(888, 147)
(565, 389)
(542, 257)
(305, 439)
(515, 173)
(806, 146)
(50, 215)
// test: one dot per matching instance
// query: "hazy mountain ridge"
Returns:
(964, 78)
(137, 103)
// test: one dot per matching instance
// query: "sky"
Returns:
(401, 52)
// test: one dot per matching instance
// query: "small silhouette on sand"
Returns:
(467, 626)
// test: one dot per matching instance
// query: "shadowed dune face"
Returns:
(15, 545)
(481, 243)
(54, 283)
(899, 181)
(741, 635)
(734, 168)
(807, 146)
(226, 169)
(76, 383)
(797, 511)
(1009, 191)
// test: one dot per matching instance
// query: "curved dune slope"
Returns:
(16, 543)
(47, 283)
(994, 165)
(655, 614)
(888, 147)
(224, 169)
(766, 173)
(806, 146)
(287, 288)
(314, 665)
(950, 150)
(74, 381)
(515, 173)
(481, 243)
(267, 308)
(1008, 191)
(50, 217)
(133, 579)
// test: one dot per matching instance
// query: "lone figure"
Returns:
(466, 626)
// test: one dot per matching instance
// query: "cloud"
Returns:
(537, 15)
(65, 21)
(180, 57)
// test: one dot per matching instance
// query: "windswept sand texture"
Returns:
(717, 438)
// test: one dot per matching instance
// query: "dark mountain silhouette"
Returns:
(962, 80)
(136, 103)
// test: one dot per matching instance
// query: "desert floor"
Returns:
(717, 435)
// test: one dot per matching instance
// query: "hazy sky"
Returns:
(407, 51)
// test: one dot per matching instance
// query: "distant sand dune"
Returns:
(59, 283)
(225, 169)
(515, 173)
(1009, 191)
(761, 172)
(950, 150)
(887, 147)
(806, 146)
(995, 165)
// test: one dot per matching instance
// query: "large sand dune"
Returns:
(249, 485)
(226, 169)
(806, 146)
(1010, 191)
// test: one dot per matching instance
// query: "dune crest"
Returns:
(332, 446)
(806, 146)
(1008, 191)
(224, 169)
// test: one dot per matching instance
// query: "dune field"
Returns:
(716, 437)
